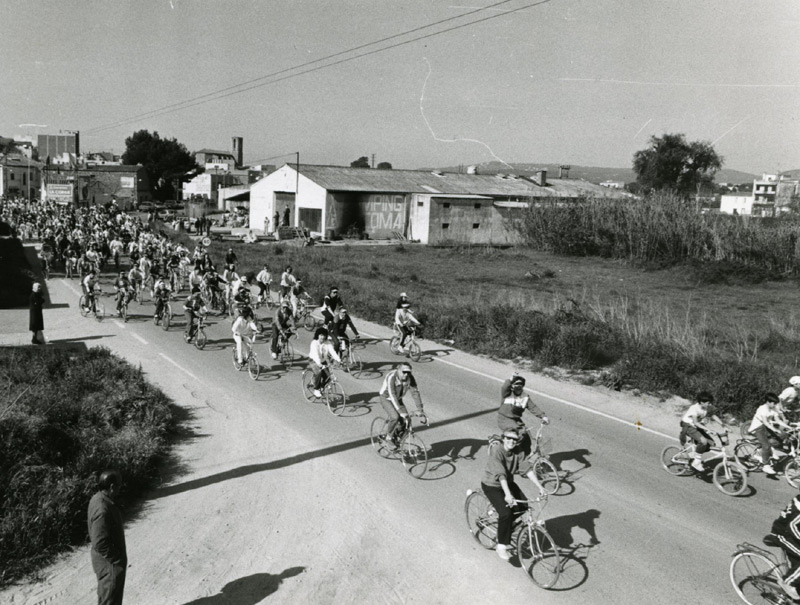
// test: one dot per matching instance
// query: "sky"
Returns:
(584, 82)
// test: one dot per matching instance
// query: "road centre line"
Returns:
(181, 368)
(635, 425)
(121, 325)
(69, 285)
(139, 338)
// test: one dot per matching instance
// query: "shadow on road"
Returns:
(249, 469)
(249, 590)
(574, 570)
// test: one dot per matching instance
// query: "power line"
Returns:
(251, 84)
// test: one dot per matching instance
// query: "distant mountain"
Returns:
(791, 174)
(593, 174)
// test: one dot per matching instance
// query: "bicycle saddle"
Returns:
(771, 540)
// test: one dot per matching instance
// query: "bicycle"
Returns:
(755, 573)
(412, 348)
(545, 470)
(411, 449)
(250, 360)
(165, 317)
(729, 476)
(350, 363)
(537, 553)
(304, 315)
(200, 339)
(285, 349)
(97, 308)
(123, 307)
(332, 391)
(748, 454)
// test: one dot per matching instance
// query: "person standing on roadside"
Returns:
(107, 535)
(36, 322)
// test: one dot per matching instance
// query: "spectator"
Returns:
(109, 556)
(286, 216)
(36, 323)
(276, 221)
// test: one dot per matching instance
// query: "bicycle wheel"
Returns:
(236, 365)
(414, 455)
(394, 345)
(309, 323)
(253, 368)
(481, 519)
(538, 555)
(745, 454)
(200, 339)
(335, 398)
(792, 472)
(99, 310)
(308, 385)
(675, 461)
(755, 579)
(82, 307)
(730, 478)
(414, 351)
(286, 355)
(547, 475)
(166, 318)
(354, 363)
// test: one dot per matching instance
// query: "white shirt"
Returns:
(244, 327)
(789, 395)
(764, 416)
(264, 277)
(694, 414)
(322, 352)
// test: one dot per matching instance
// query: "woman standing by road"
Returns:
(36, 323)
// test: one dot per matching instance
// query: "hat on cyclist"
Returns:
(286, 304)
(795, 381)
(518, 380)
(511, 434)
(403, 295)
(404, 368)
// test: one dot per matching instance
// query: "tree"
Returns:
(163, 160)
(362, 162)
(670, 162)
(384, 166)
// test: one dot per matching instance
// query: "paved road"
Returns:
(271, 497)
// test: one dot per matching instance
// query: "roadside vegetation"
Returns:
(644, 295)
(66, 416)
(15, 273)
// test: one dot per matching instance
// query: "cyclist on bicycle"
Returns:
(403, 299)
(282, 325)
(405, 321)
(330, 303)
(691, 427)
(123, 291)
(263, 279)
(244, 327)
(193, 307)
(88, 284)
(231, 259)
(397, 384)
(162, 297)
(786, 529)
(296, 294)
(513, 402)
(790, 397)
(338, 330)
(321, 354)
(240, 291)
(287, 281)
(498, 484)
(769, 428)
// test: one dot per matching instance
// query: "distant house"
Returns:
(432, 207)
(771, 195)
(20, 176)
(96, 185)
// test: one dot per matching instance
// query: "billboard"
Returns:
(59, 193)
(126, 182)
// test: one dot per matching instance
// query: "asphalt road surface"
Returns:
(269, 498)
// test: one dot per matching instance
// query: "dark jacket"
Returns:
(105, 529)
(36, 322)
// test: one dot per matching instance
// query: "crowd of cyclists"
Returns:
(88, 240)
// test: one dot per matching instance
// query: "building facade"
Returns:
(20, 177)
(128, 186)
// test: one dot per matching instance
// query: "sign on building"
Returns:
(59, 193)
(126, 182)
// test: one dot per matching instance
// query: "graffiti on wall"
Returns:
(385, 213)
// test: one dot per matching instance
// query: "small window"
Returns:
(475, 225)
(446, 205)
(14, 178)
(445, 225)
(477, 206)
(420, 203)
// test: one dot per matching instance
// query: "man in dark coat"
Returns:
(36, 322)
(109, 555)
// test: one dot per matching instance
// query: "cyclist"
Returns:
(790, 397)
(282, 325)
(338, 330)
(193, 307)
(397, 384)
(213, 281)
(498, 484)
(244, 327)
(768, 427)
(88, 284)
(691, 427)
(321, 354)
(513, 402)
(403, 299)
(263, 279)
(195, 278)
(116, 246)
(786, 529)
(287, 281)
(136, 278)
(42, 255)
(162, 298)
(231, 259)
(241, 294)
(404, 320)
(298, 293)
(329, 304)
(123, 290)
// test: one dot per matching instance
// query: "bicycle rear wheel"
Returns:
(538, 555)
(124, 312)
(99, 311)
(745, 454)
(353, 363)
(730, 478)
(755, 579)
(394, 345)
(253, 368)
(414, 455)
(547, 475)
(308, 385)
(792, 472)
(481, 519)
(236, 365)
(200, 339)
(377, 433)
(675, 461)
(335, 398)
(82, 307)
(414, 351)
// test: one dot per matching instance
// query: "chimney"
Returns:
(563, 171)
(541, 178)
(238, 152)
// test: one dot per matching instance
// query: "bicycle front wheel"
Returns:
(675, 461)
(414, 351)
(792, 472)
(253, 368)
(200, 339)
(287, 353)
(414, 455)
(481, 519)
(538, 555)
(308, 385)
(547, 475)
(309, 323)
(335, 398)
(394, 345)
(82, 306)
(377, 433)
(730, 478)
(99, 310)
(236, 365)
(166, 318)
(745, 454)
(354, 363)
(755, 579)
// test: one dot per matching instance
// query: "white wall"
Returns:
(420, 217)
(743, 204)
(284, 180)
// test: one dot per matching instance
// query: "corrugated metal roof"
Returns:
(341, 178)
